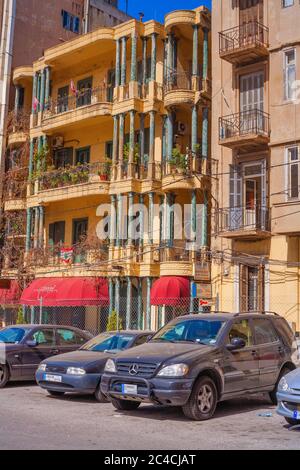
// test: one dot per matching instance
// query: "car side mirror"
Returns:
(32, 343)
(236, 344)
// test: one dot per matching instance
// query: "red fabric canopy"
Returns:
(170, 291)
(12, 295)
(66, 292)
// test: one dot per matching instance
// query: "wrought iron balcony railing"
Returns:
(243, 124)
(239, 219)
(18, 121)
(244, 36)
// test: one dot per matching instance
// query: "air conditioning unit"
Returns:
(58, 141)
(181, 128)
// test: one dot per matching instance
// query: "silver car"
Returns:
(288, 396)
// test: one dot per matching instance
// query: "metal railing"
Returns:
(246, 35)
(74, 175)
(15, 186)
(187, 166)
(141, 171)
(178, 81)
(253, 121)
(83, 98)
(18, 121)
(244, 219)
(178, 252)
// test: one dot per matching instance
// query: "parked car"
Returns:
(288, 397)
(27, 345)
(197, 361)
(81, 371)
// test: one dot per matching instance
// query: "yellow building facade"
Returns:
(118, 118)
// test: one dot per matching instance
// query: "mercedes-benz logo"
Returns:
(133, 369)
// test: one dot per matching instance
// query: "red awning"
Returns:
(170, 291)
(66, 292)
(10, 296)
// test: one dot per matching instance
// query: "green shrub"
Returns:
(114, 322)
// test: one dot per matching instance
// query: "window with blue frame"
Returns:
(70, 22)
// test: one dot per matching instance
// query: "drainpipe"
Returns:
(7, 39)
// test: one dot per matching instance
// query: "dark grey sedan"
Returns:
(80, 372)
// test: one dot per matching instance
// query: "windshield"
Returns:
(11, 335)
(107, 342)
(195, 331)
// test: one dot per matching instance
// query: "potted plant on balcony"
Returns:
(105, 171)
(178, 162)
(136, 153)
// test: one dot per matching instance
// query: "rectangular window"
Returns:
(251, 289)
(70, 22)
(287, 3)
(83, 156)
(294, 165)
(63, 157)
(57, 233)
(290, 74)
(109, 150)
(62, 99)
(84, 88)
(80, 228)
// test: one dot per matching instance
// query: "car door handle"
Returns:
(54, 351)
(254, 353)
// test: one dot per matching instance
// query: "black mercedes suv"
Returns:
(197, 361)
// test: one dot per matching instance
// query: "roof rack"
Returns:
(264, 312)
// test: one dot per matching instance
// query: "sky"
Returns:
(156, 9)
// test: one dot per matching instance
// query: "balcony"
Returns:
(182, 89)
(245, 43)
(247, 129)
(184, 171)
(73, 182)
(18, 127)
(15, 188)
(84, 106)
(177, 258)
(136, 177)
(244, 223)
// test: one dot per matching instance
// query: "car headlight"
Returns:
(110, 366)
(75, 371)
(42, 367)
(175, 370)
(283, 385)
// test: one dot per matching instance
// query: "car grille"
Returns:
(137, 369)
(56, 369)
(292, 406)
(296, 391)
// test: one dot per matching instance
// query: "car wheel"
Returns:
(52, 393)
(100, 397)
(203, 400)
(4, 375)
(273, 394)
(292, 421)
(125, 405)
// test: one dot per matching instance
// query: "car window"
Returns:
(11, 335)
(81, 339)
(66, 337)
(44, 337)
(108, 342)
(284, 329)
(196, 331)
(264, 332)
(141, 340)
(242, 330)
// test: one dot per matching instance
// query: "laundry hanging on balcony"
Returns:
(66, 292)
(170, 291)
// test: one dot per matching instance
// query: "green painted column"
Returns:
(36, 227)
(142, 138)
(142, 222)
(47, 87)
(117, 298)
(205, 54)
(148, 304)
(205, 133)
(131, 136)
(34, 90)
(39, 91)
(115, 140)
(123, 65)
(204, 242)
(164, 139)
(151, 217)
(133, 73)
(145, 44)
(28, 229)
(130, 218)
(121, 136)
(192, 308)
(41, 226)
(118, 62)
(40, 148)
(195, 50)
(170, 56)
(111, 296)
(120, 220)
(113, 220)
(153, 55)
(31, 155)
(17, 98)
(194, 128)
(170, 136)
(140, 305)
(129, 303)
(152, 137)
(42, 92)
(193, 215)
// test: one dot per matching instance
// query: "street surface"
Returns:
(30, 419)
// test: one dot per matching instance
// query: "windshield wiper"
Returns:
(164, 339)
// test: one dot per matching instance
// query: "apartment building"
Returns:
(255, 138)
(119, 118)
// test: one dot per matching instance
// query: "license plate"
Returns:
(129, 389)
(297, 415)
(52, 378)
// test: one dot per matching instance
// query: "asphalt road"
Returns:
(30, 419)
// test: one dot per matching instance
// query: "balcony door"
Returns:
(251, 10)
(251, 288)
(251, 103)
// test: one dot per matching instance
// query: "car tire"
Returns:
(52, 393)
(203, 400)
(125, 405)
(99, 396)
(293, 422)
(273, 394)
(4, 375)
